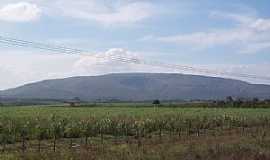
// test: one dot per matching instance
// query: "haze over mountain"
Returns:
(139, 87)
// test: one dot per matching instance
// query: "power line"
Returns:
(22, 43)
(66, 50)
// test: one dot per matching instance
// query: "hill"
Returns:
(139, 87)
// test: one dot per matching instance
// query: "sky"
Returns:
(231, 36)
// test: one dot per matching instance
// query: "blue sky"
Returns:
(232, 35)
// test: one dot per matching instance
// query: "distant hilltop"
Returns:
(139, 87)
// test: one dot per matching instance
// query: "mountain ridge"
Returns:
(139, 87)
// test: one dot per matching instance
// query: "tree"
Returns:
(229, 99)
(156, 102)
(238, 102)
(255, 100)
(220, 103)
(42, 132)
(56, 129)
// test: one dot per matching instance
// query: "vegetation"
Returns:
(134, 132)
(156, 102)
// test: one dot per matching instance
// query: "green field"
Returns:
(133, 111)
(130, 131)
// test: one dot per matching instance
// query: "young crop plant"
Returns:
(5, 135)
(72, 130)
(42, 132)
(57, 127)
(25, 133)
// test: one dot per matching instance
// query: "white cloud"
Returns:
(9, 77)
(210, 39)
(249, 35)
(249, 21)
(17, 68)
(261, 24)
(106, 12)
(240, 18)
(256, 47)
(20, 12)
(114, 60)
(146, 38)
(103, 64)
(260, 70)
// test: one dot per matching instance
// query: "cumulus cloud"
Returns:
(17, 69)
(20, 12)
(249, 35)
(115, 60)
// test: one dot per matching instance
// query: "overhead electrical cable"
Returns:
(124, 59)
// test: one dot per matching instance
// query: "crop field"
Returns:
(134, 132)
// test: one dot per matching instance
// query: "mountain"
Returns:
(139, 87)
